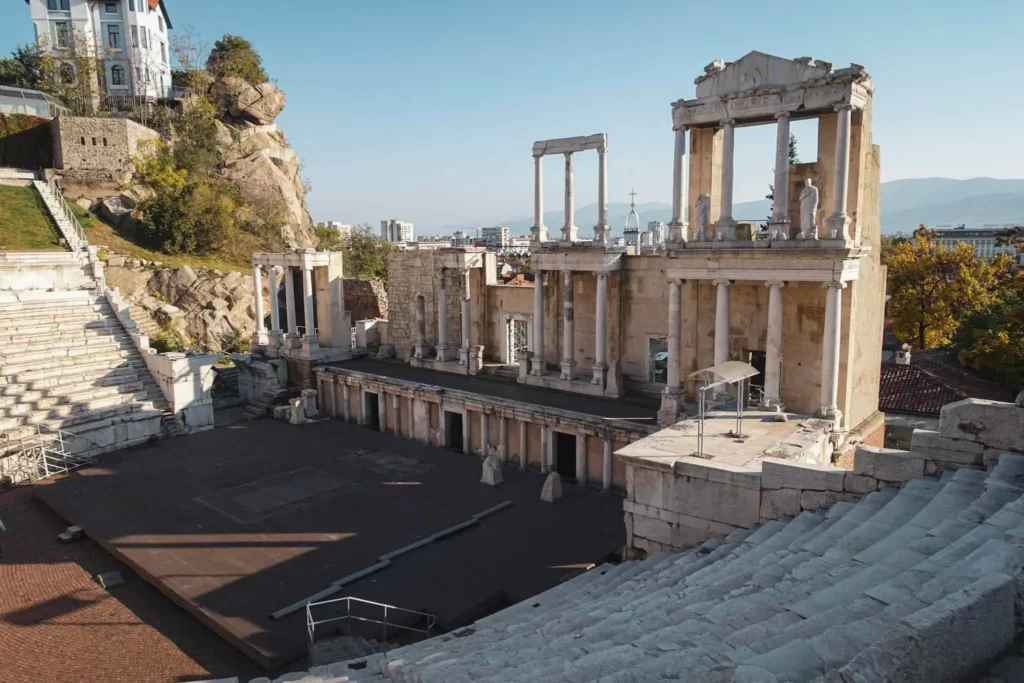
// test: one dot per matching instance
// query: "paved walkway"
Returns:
(618, 409)
(58, 625)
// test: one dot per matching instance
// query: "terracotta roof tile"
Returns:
(912, 389)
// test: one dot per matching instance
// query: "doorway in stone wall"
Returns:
(453, 430)
(516, 342)
(755, 386)
(565, 455)
(373, 410)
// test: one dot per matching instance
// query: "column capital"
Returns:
(774, 283)
(783, 115)
(834, 284)
(568, 155)
(600, 150)
(843, 107)
(721, 281)
(538, 157)
(676, 281)
(728, 122)
(602, 275)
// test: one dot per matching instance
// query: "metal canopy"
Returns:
(730, 372)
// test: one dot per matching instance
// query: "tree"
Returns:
(328, 238)
(992, 340)
(366, 255)
(932, 288)
(794, 158)
(235, 56)
(23, 69)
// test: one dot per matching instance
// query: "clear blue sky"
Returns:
(427, 110)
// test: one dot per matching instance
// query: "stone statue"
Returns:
(809, 211)
(703, 211)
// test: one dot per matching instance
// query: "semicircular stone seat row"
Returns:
(914, 584)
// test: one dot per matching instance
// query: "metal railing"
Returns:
(35, 452)
(65, 210)
(348, 617)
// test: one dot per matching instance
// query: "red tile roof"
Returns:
(912, 389)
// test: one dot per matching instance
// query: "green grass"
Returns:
(24, 222)
(127, 243)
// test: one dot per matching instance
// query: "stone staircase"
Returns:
(145, 322)
(61, 214)
(258, 408)
(67, 364)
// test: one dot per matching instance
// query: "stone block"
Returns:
(719, 472)
(822, 500)
(714, 501)
(887, 464)
(784, 474)
(652, 529)
(110, 579)
(552, 490)
(492, 472)
(297, 415)
(281, 413)
(309, 404)
(779, 503)
(924, 440)
(992, 423)
(855, 483)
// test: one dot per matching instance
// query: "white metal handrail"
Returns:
(40, 454)
(65, 208)
(348, 617)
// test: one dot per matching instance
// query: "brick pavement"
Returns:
(57, 625)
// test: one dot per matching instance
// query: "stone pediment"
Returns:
(758, 71)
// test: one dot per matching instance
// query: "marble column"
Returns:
(289, 302)
(581, 459)
(677, 227)
(523, 446)
(421, 327)
(670, 397)
(361, 414)
(382, 410)
(779, 227)
(725, 227)
(601, 229)
(260, 335)
(601, 335)
(412, 418)
(396, 408)
(538, 366)
(540, 232)
(569, 229)
(307, 301)
(485, 434)
(606, 466)
(830, 352)
(568, 330)
(345, 410)
(722, 321)
(773, 350)
(503, 439)
(275, 306)
(443, 352)
(464, 349)
(545, 437)
(838, 223)
(466, 450)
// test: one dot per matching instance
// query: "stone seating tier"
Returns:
(910, 584)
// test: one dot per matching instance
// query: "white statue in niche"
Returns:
(808, 211)
(703, 211)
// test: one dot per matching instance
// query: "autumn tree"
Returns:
(235, 56)
(932, 288)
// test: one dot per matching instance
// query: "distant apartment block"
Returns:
(984, 239)
(129, 36)
(397, 231)
(496, 237)
(343, 229)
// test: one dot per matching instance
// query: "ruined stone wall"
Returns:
(502, 299)
(365, 298)
(95, 144)
(643, 312)
(416, 272)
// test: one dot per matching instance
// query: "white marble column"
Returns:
(289, 302)
(523, 446)
(722, 321)
(307, 302)
(569, 229)
(725, 228)
(485, 434)
(420, 349)
(464, 350)
(345, 410)
(540, 232)
(275, 306)
(382, 410)
(773, 350)
(830, 352)
(601, 229)
(838, 223)
(538, 364)
(606, 466)
(779, 227)
(443, 352)
(503, 439)
(675, 307)
(568, 329)
(411, 428)
(677, 228)
(601, 334)
(545, 438)
(260, 334)
(581, 459)
(362, 416)
(396, 408)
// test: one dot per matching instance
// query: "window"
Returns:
(111, 7)
(135, 36)
(67, 73)
(163, 52)
(160, 23)
(83, 142)
(144, 43)
(131, 5)
(94, 142)
(63, 34)
(104, 142)
(116, 77)
(63, 5)
(114, 36)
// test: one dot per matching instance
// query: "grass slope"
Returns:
(24, 222)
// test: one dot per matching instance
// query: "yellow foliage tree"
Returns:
(933, 288)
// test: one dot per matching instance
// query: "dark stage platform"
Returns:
(236, 523)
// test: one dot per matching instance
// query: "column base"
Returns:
(464, 355)
(831, 413)
(444, 353)
(570, 234)
(601, 235)
(539, 234)
(725, 230)
(600, 371)
(671, 408)
(568, 370)
(778, 230)
(768, 403)
(538, 366)
(838, 225)
(420, 350)
(677, 232)
(260, 338)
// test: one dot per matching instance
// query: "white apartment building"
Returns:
(984, 240)
(657, 232)
(496, 238)
(344, 229)
(130, 35)
(397, 231)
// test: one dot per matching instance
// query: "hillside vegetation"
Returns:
(24, 224)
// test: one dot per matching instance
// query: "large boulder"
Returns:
(135, 195)
(257, 103)
(114, 211)
(260, 182)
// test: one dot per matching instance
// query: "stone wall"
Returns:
(96, 144)
(365, 299)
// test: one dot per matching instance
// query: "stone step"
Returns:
(17, 341)
(37, 317)
(26, 406)
(64, 343)
(91, 369)
(54, 385)
(100, 355)
(76, 349)
(29, 331)
(21, 311)
(95, 410)
(27, 395)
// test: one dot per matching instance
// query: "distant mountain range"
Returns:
(905, 205)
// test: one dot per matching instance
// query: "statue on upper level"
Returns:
(809, 211)
(703, 211)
